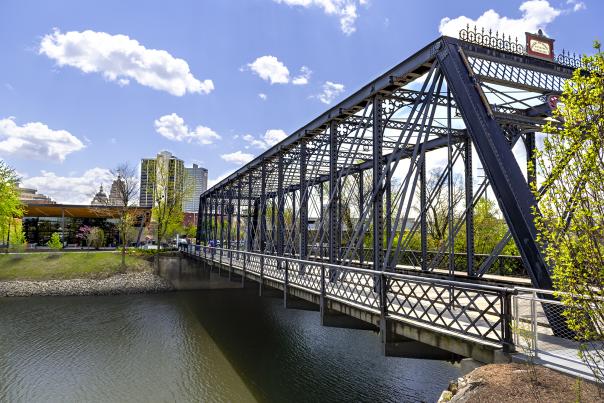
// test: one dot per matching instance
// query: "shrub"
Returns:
(55, 242)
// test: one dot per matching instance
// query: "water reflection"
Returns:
(216, 344)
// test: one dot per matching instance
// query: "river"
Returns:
(218, 343)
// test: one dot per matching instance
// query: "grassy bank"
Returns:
(62, 266)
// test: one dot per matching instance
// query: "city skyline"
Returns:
(196, 77)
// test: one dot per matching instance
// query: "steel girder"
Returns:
(364, 135)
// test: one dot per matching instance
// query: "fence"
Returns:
(533, 334)
(479, 312)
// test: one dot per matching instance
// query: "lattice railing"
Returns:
(468, 310)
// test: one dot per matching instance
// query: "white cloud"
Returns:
(274, 136)
(121, 59)
(238, 157)
(269, 68)
(36, 140)
(213, 181)
(70, 189)
(330, 92)
(270, 138)
(536, 14)
(345, 10)
(303, 77)
(576, 5)
(173, 128)
(262, 96)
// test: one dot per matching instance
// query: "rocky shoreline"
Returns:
(128, 283)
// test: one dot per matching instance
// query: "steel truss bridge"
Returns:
(355, 187)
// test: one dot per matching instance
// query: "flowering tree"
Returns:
(571, 219)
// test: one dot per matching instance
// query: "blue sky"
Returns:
(85, 86)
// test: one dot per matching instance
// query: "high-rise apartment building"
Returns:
(198, 182)
(163, 170)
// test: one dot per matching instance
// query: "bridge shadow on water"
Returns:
(285, 355)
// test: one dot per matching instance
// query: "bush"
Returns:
(55, 242)
(96, 237)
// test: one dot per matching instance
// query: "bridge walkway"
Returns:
(464, 319)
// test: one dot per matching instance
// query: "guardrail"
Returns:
(478, 312)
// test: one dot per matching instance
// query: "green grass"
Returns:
(66, 265)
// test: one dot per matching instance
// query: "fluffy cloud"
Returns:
(121, 59)
(269, 68)
(36, 140)
(303, 77)
(345, 10)
(270, 138)
(262, 96)
(173, 128)
(536, 14)
(238, 157)
(330, 92)
(70, 189)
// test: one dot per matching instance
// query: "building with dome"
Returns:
(100, 199)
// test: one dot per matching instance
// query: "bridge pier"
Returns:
(396, 345)
(334, 318)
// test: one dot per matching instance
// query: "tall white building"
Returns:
(152, 167)
(199, 184)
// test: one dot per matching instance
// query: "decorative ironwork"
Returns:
(499, 41)
(469, 310)
(492, 40)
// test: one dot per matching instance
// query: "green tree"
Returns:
(571, 211)
(169, 191)
(55, 241)
(10, 205)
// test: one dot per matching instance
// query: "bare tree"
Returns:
(438, 220)
(124, 192)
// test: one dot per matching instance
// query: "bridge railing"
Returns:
(479, 312)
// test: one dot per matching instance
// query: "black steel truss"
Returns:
(351, 186)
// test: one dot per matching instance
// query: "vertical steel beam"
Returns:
(303, 206)
(388, 218)
(469, 207)
(273, 226)
(531, 159)
(280, 207)
(360, 207)
(238, 213)
(199, 229)
(340, 221)
(262, 223)
(333, 192)
(423, 219)
(378, 189)
(293, 231)
(250, 223)
(229, 211)
(215, 216)
(263, 203)
(321, 219)
(221, 195)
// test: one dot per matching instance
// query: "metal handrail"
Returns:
(432, 280)
(377, 296)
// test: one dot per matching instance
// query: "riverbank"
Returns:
(511, 383)
(65, 274)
